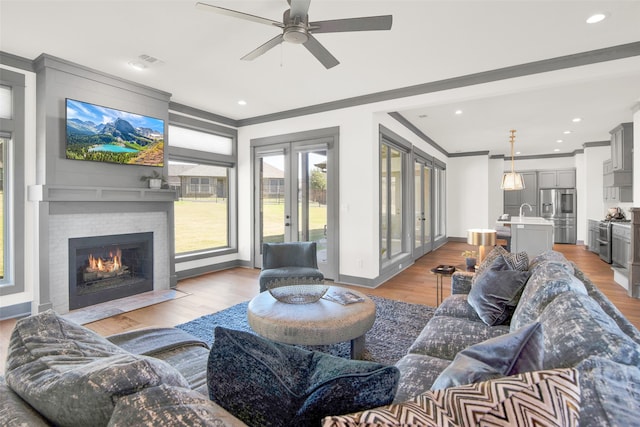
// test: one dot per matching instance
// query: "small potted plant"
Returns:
(470, 259)
(156, 180)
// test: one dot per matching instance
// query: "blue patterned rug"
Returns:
(397, 325)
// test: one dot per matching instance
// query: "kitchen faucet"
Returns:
(522, 206)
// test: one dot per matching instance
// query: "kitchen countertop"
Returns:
(621, 224)
(530, 220)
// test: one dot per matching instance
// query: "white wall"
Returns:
(636, 153)
(467, 195)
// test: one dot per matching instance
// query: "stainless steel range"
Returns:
(605, 238)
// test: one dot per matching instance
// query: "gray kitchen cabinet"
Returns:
(562, 178)
(617, 184)
(513, 199)
(622, 147)
(620, 244)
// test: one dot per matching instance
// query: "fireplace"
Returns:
(104, 268)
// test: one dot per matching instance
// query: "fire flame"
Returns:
(114, 263)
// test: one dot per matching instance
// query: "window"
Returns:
(393, 197)
(4, 142)
(13, 177)
(202, 171)
(201, 213)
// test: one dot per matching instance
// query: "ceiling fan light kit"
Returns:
(297, 29)
(512, 180)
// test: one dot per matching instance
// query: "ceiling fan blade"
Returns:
(368, 23)
(299, 7)
(236, 14)
(264, 48)
(320, 52)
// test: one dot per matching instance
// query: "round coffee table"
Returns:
(319, 323)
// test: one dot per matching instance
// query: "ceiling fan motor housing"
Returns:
(295, 30)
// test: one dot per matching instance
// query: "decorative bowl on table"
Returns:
(297, 290)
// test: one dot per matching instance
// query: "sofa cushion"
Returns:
(541, 398)
(510, 354)
(444, 337)
(610, 393)
(550, 255)
(575, 328)
(496, 292)
(269, 384)
(51, 357)
(417, 374)
(550, 279)
(457, 306)
(169, 406)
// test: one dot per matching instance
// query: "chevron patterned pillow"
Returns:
(541, 398)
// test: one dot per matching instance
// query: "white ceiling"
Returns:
(429, 41)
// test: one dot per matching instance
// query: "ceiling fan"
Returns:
(297, 29)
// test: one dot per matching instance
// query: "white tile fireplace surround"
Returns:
(67, 226)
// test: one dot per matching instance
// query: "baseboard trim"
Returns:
(15, 311)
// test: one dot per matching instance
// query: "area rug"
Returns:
(397, 325)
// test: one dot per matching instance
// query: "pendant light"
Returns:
(512, 180)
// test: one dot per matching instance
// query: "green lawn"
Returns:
(202, 224)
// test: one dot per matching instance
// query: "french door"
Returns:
(293, 198)
(422, 173)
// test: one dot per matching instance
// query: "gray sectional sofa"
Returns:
(59, 373)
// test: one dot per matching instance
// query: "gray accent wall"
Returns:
(58, 178)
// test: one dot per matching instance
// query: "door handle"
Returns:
(286, 224)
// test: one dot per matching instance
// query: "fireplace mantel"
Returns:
(71, 193)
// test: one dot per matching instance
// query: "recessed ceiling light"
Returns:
(423, 116)
(242, 102)
(557, 149)
(517, 152)
(596, 17)
(458, 112)
(559, 141)
(139, 66)
(567, 132)
(577, 119)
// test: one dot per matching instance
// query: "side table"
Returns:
(441, 271)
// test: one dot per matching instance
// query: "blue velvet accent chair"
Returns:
(294, 260)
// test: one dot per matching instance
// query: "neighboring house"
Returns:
(272, 181)
(198, 180)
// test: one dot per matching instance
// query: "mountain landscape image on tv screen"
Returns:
(106, 135)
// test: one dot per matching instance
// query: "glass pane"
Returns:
(272, 201)
(6, 110)
(3, 213)
(396, 202)
(384, 219)
(418, 212)
(427, 204)
(201, 212)
(312, 200)
(201, 141)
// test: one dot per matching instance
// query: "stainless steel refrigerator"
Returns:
(559, 205)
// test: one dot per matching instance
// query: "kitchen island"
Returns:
(530, 234)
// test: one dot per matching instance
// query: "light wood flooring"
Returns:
(216, 291)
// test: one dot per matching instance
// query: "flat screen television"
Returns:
(104, 134)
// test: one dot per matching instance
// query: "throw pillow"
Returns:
(169, 406)
(517, 261)
(510, 354)
(496, 292)
(70, 375)
(270, 384)
(532, 399)
(487, 261)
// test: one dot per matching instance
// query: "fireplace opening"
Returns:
(104, 268)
